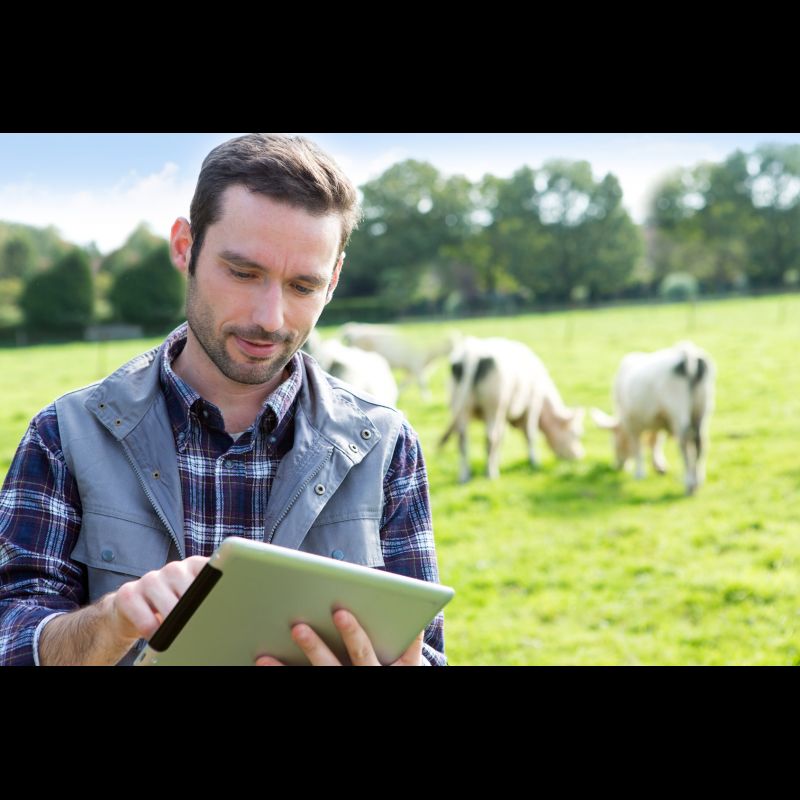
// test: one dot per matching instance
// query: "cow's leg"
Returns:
(701, 445)
(495, 428)
(638, 454)
(532, 430)
(686, 441)
(464, 473)
(406, 380)
(657, 439)
(422, 382)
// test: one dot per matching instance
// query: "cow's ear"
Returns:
(603, 420)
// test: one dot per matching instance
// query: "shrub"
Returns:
(150, 294)
(61, 299)
(679, 286)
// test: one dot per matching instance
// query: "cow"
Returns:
(369, 372)
(415, 360)
(500, 381)
(668, 391)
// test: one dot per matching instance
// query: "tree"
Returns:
(138, 245)
(150, 294)
(411, 213)
(44, 245)
(557, 231)
(726, 222)
(60, 299)
(18, 258)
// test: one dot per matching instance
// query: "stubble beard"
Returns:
(257, 370)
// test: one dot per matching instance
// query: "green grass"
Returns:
(576, 563)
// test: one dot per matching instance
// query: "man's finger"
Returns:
(359, 647)
(317, 652)
(132, 614)
(413, 655)
(268, 661)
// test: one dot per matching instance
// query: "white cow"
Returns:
(369, 372)
(401, 353)
(669, 391)
(501, 381)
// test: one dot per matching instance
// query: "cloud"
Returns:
(105, 215)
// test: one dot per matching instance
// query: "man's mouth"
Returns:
(257, 349)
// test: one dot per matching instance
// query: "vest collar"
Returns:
(124, 398)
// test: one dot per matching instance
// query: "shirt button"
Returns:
(205, 414)
(107, 555)
(337, 554)
(319, 489)
(271, 439)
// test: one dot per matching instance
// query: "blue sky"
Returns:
(98, 187)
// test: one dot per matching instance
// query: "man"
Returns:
(120, 492)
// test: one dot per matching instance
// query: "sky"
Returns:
(99, 187)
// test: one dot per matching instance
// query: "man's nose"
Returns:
(268, 311)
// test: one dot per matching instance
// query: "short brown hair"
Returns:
(290, 169)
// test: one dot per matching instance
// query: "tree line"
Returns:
(50, 287)
(436, 244)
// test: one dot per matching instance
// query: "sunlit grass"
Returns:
(576, 563)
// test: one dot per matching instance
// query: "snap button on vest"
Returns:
(353, 447)
(337, 554)
(366, 434)
(107, 555)
(319, 489)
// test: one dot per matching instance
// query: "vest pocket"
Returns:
(116, 551)
(355, 540)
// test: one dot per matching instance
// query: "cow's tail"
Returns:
(693, 365)
(463, 371)
(696, 367)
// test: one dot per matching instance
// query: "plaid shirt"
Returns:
(226, 484)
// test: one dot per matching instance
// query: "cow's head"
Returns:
(622, 446)
(563, 429)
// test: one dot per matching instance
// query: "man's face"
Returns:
(262, 278)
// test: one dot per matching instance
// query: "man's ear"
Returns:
(180, 244)
(334, 278)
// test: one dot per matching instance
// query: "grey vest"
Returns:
(327, 496)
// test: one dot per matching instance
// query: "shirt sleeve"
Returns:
(40, 519)
(407, 529)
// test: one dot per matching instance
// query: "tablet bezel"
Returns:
(305, 588)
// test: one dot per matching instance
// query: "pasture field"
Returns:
(576, 563)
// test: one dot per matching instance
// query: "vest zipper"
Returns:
(151, 498)
(299, 492)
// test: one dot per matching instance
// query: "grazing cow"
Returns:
(501, 381)
(402, 354)
(669, 391)
(369, 372)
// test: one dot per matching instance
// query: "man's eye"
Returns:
(241, 275)
(300, 289)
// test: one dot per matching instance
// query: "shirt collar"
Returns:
(182, 399)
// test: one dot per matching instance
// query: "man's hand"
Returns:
(103, 632)
(358, 645)
(137, 608)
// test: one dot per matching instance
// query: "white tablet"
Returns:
(246, 599)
